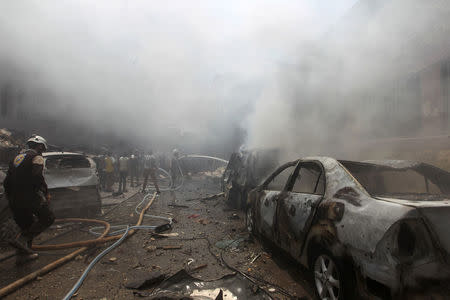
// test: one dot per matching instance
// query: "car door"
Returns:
(271, 190)
(296, 210)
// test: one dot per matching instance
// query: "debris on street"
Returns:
(146, 281)
(181, 285)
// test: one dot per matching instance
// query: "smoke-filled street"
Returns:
(225, 149)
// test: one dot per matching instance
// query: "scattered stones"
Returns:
(151, 248)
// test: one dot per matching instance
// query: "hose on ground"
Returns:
(80, 281)
(97, 241)
(22, 281)
(123, 228)
(101, 239)
(127, 231)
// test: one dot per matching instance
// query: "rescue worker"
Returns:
(109, 172)
(123, 173)
(150, 167)
(134, 172)
(28, 196)
(175, 171)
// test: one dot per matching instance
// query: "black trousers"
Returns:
(34, 218)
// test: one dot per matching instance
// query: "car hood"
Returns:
(70, 177)
(437, 215)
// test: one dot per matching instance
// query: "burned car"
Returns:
(244, 171)
(376, 229)
(73, 184)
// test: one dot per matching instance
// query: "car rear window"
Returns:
(411, 183)
(66, 162)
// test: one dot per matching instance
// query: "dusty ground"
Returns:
(199, 226)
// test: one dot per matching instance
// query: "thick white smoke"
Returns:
(160, 73)
(356, 84)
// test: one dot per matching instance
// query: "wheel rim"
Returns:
(249, 220)
(327, 278)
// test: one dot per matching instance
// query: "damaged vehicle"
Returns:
(244, 171)
(73, 184)
(375, 229)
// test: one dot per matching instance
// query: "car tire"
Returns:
(332, 279)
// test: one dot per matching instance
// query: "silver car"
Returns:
(73, 184)
(364, 229)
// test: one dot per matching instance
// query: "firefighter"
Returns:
(28, 197)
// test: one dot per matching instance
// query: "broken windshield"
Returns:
(66, 162)
(418, 182)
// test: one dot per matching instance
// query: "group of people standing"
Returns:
(113, 169)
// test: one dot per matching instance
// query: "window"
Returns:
(309, 180)
(67, 162)
(419, 182)
(279, 181)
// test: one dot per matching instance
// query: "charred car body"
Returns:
(379, 226)
(244, 171)
(73, 184)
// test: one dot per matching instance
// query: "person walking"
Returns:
(109, 172)
(134, 172)
(28, 196)
(123, 173)
(150, 167)
(175, 169)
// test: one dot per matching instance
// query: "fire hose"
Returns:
(101, 239)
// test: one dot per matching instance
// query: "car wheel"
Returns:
(249, 221)
(331, 280)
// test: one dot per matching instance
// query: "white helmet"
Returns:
(38, 140)
(243, 149)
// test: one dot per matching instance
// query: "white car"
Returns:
(364, 229)
(73, 184)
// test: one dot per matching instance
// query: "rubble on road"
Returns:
(10, 143)
(146, 281)
(233, 286)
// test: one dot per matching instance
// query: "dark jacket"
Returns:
(25, 181)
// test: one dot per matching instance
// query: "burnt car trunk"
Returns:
(81, 201)
(73, 184)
